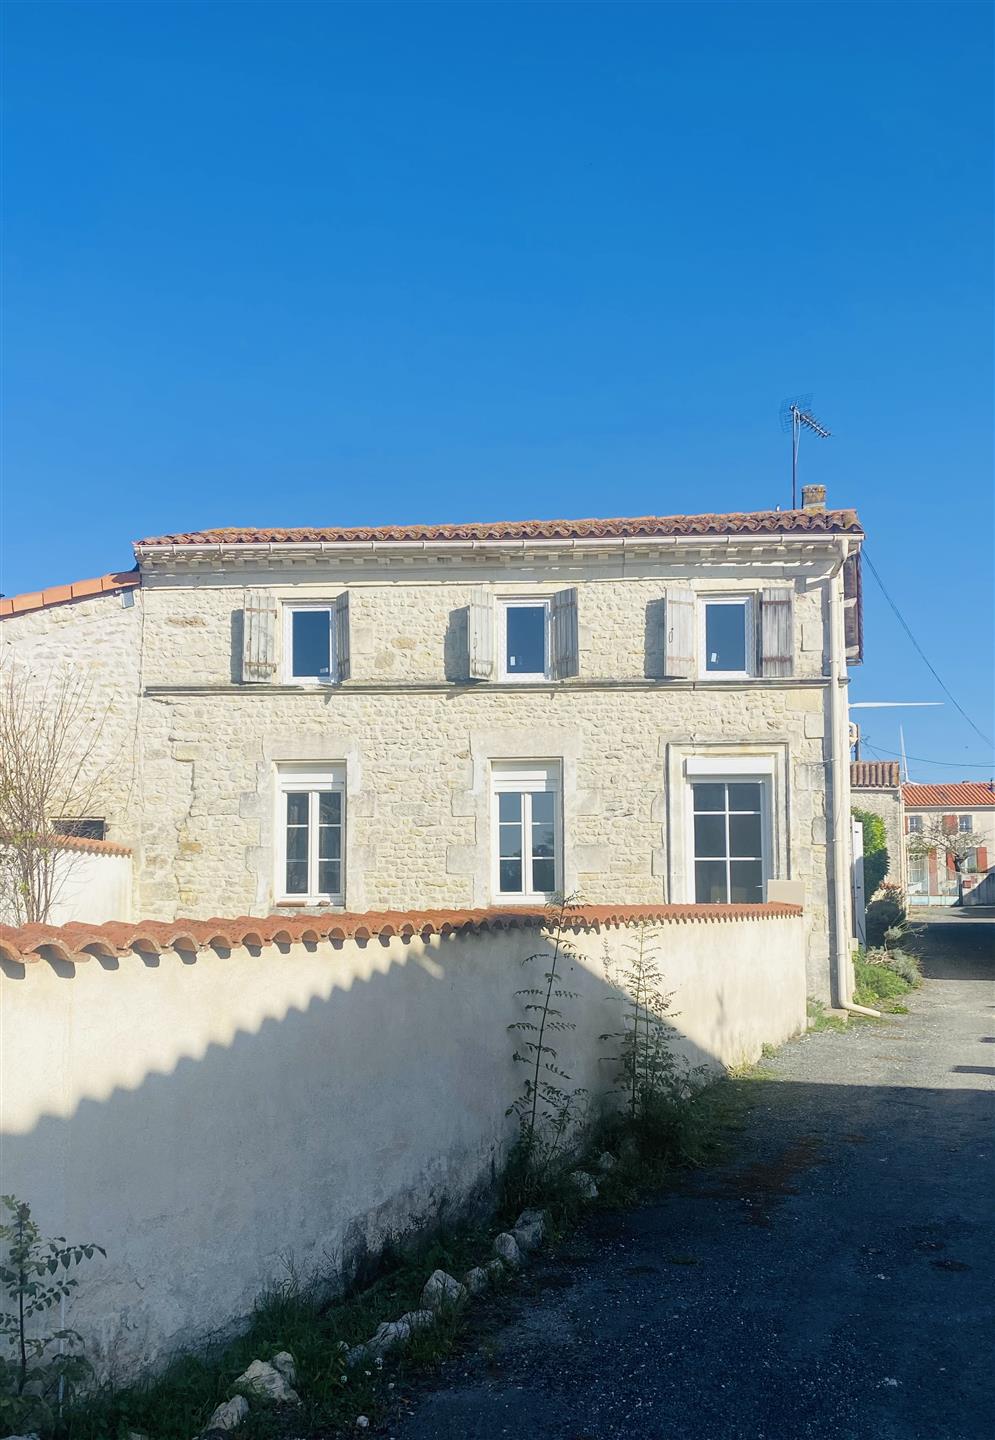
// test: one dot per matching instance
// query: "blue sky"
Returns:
(299, 264)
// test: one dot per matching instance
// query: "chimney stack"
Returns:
(813, 497)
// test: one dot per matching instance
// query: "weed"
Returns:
(819, 1020)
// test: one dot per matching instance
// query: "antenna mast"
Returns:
(795, 413)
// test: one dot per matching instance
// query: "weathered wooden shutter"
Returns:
(342, 637)
(258, 638)
(678, 634)
(564, 647)
(777, 644)
(853, 610)
(480, 635)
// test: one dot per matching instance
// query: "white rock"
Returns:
(362, 1422)
(419, 1320)
(476, 1280)
(356, 1356)
(442, 1290)
(286, 1364)
(606, 1161)
(585, 1184)
(261, 1379)
(506, 1249)
(229, 1415)
(391, 1335)
(33, 1436)
(530, 1229)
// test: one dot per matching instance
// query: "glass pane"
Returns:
(330, 842)
(709, 797)
(744, 836)
(725, 637)
(709, 835)
(510, 877)
(746, 882)
(297, 808)
(510, 841)
(296, 877)
(509, 808)
(542, 840)
(745, 796)
(329, 807)
(710, 882)
(526, 627)
(329, 877)
(543, 806)
(543, 877)
(310, 642)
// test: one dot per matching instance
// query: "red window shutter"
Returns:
(982, 854)
(950, 864)
(950, 822)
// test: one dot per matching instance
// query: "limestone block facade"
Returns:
(414, 749)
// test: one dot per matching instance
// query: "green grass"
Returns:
(818, 1020)
(878, 987)
(177, 1403)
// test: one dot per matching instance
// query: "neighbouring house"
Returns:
(876, 786)
(638, 710)
(964, 806)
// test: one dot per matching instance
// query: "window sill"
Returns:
(321, 903)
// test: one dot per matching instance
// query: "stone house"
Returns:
(638, 710)
(967, 806)
(876, 786)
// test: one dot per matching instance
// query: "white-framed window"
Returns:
(523, 639)
(310, 864)
(309, 644)
(726, 635)
(964, 824)
(526, 837)
(730, 844)
(915, 824)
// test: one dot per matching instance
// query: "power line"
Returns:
(948, 764)
(922, 654)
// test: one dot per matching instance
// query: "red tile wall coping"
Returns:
(78, 942)
(111, 584)
(86, 844)
(767, 522)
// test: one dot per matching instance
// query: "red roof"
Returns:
(760, 522)
(959, 795)
(78, 942)
(875, 774)
(77, 590)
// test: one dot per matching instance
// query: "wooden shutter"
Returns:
(342, 637)
(480, 635)
(853, 610)
(678, 634)
(564, 648)
(258, 638)
(777, 646)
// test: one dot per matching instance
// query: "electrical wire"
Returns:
(947, 764)
(921, 652)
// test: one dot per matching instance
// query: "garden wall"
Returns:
(213, 1100)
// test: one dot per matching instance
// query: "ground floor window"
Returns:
(527, 848)
(311, 820)
(728, 818)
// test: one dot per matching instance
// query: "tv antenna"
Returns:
(796, 412)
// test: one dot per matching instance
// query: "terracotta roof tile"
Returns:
(64, 594)
(875, 774)
(761, 522)
(78, 942)
(960, 795)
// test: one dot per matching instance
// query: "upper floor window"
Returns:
(523, 639)
(964, 824)
(725, 639)
(915, 824)
(730, 865)
(311, 833)
(85, 828)
(526, 844)
(308, 642)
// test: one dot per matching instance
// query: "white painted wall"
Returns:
(206, 1118)
(91, 887)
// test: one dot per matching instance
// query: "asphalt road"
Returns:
(837, 1279)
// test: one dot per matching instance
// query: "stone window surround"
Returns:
(767, 761)
(311, 776)
(542, 775)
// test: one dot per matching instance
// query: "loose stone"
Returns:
(506, 1249)
(230, 1414)
(442, 1290)
(261, 1379)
